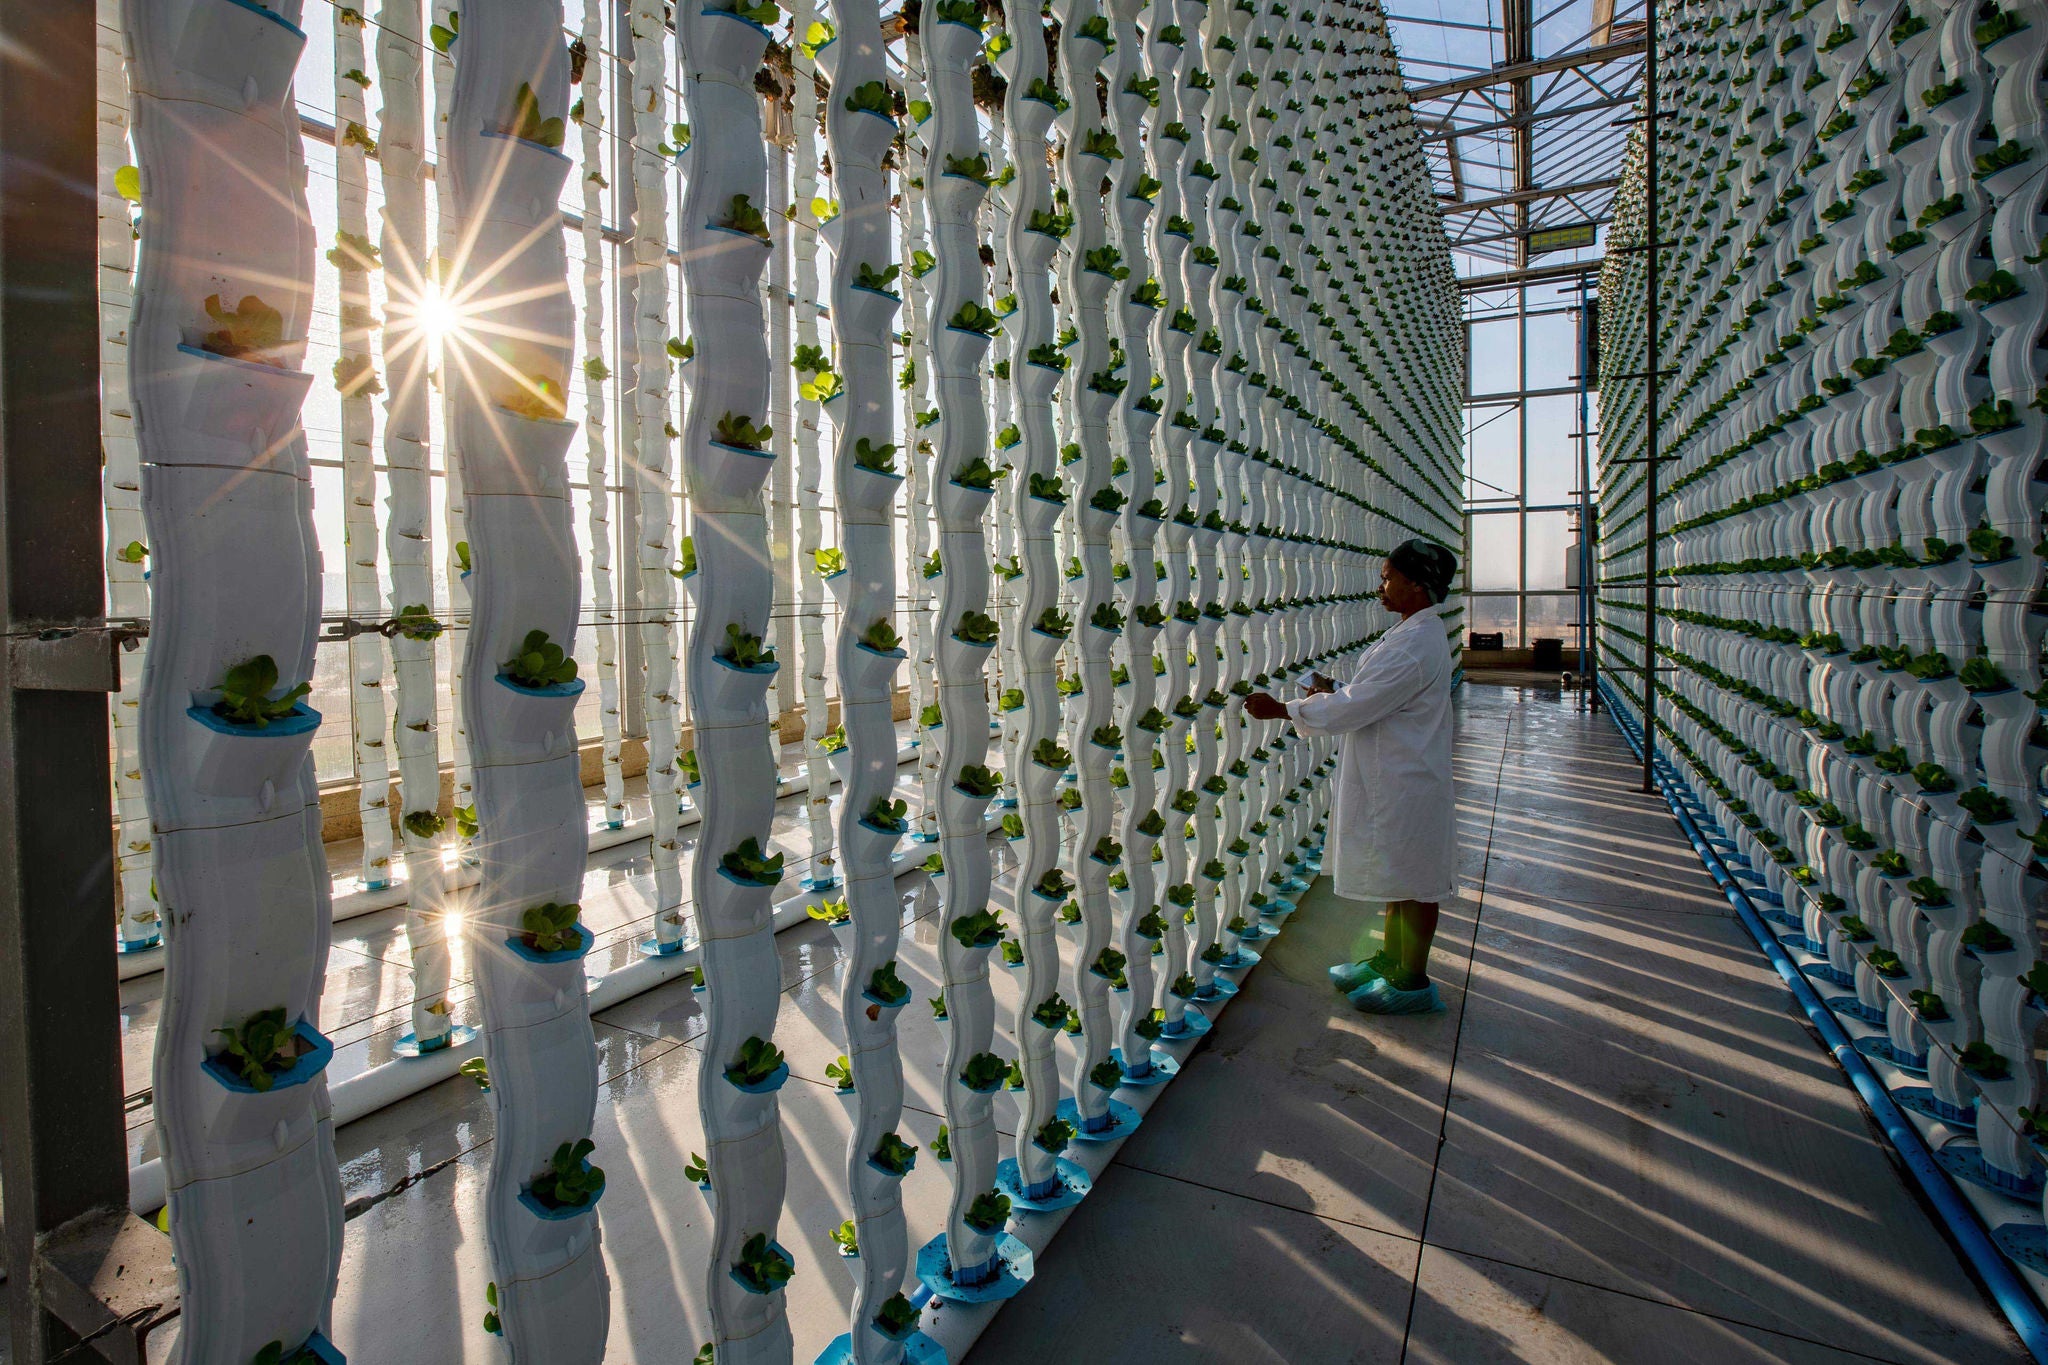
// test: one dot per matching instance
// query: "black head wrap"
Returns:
(1426, 564)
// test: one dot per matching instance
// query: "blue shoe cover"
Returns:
(1349, 976)
(1379, 997)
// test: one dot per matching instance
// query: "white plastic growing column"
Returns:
(868, 466)
(593, 99)
(1037, 500)
(726, 460)
(654, 371)
(218, 339)
(507, 385)
(965, 1261)
(355, 377)
(141, 925)
(408, 528)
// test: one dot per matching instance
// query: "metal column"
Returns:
(1653, 367)
(62, 1157)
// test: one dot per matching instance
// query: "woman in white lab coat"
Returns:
(1393, 828)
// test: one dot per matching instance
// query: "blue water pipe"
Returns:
(2014, 1298)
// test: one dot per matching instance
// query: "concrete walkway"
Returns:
(1619, 1144)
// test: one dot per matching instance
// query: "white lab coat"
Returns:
(1393, 832)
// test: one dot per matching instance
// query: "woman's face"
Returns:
(1400, 593)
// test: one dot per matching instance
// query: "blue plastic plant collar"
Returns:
(520, 949)
(1119, 1120)
(301, 720)
(1010, 1270)
(1068, 1186)
(571, 688)
(458, 1035)
(918, 1349)
(498, 135)
(748, 882)
(2017, 1302)
(748, 1285)
(561, 1214)
(304, 1068)
(768, 1086)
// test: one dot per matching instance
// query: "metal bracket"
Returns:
(69, 660)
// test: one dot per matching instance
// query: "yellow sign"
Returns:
(1560, 238)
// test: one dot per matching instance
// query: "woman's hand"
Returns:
(1263, 706)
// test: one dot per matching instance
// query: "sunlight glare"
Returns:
(435, 316)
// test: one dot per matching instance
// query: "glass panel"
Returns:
(1496, 365)
(1496, 541)
(1552, 343)
(1551, 615)
(1495, 615)
(1493, 453)
(1553, 454)
(1545, 536)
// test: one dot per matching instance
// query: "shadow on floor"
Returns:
(1618, 1143)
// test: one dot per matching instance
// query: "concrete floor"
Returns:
(1618, 1144)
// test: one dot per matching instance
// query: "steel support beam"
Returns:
(1537, 274)
(1545, 66)
(63, 1161)
(1447, 130)
(1528, 196)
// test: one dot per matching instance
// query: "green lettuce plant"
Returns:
(569, 1182)
(245, 694)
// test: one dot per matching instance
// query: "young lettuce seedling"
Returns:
(264, 1044)
(831, 912)
(872, 97)
(975, 628)
(867, 277)
(245, 694)
(761, 1266)
(979, 474)
(877, 459)
(739, 431)
(568, 1182)
(527, 124)
(984, 1071)
(989, 1211)
(981, 929)
(884, 984)
(744, 649)
(896, 1318)
(742, 216)
(978, 781)
(893, 1154)
(540, 663)
(749, 864)
(551, 928)
(758, 1060)
(251, 331)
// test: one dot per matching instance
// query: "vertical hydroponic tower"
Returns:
(223, 299)
(506, 377)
